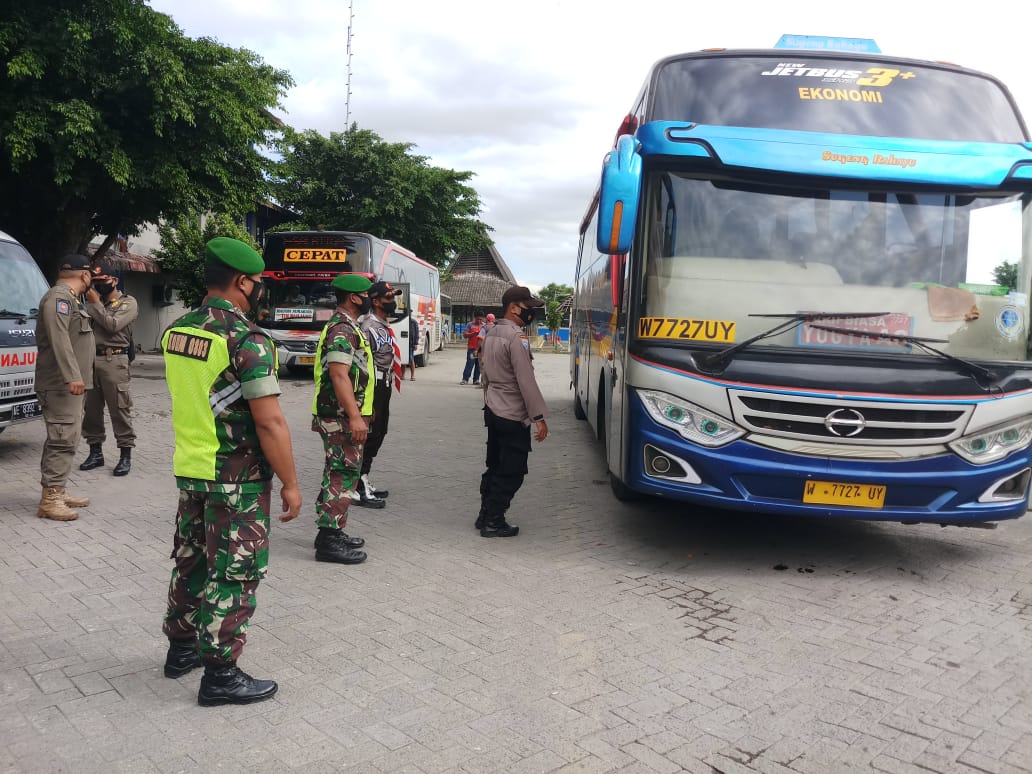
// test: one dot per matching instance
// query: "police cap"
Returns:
(383, 290)
(74, 263)
(235, 254)
(351, 283)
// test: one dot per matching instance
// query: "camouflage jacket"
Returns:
(341, 343)
(239, 460)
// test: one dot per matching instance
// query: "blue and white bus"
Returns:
(803, 289)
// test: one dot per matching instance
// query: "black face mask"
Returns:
(364, 304)
(255, 296)
(527, 315)
(389, 307)
(105, 289)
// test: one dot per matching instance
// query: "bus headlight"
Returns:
(995, 444)
(692, 422)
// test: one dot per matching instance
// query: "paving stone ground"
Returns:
(605, 638)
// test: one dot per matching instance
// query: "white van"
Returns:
(22, 285)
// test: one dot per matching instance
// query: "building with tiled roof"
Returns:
(476, 281)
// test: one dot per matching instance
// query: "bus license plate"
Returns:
(26, 410)
(306, 360)
(838, 493)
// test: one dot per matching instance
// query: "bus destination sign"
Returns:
(315, 255)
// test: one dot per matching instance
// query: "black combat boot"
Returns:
(125, 462)
(335, 549)
(182, 657)
(365, 499)
(481, 518)
(95, 458)
(329, 534)
(230, 685)
(497, 526)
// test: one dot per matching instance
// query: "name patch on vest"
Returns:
(188, 345)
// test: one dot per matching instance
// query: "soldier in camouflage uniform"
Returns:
(231, 437)
(341, 409)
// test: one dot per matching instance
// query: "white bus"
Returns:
(299, 266)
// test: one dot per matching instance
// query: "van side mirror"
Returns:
(618, 197)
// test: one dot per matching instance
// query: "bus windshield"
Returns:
(927, 262)
(23, 285)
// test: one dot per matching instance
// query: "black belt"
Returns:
(112, 350)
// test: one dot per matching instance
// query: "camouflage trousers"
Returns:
(341, 472)
(221, 552)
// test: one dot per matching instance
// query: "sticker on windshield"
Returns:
(855, 332)
(687, 329)
(1008, 322)
(303, 314)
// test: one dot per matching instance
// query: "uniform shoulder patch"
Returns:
(188, 345)
(63, 307)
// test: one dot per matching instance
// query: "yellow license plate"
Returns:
(306, 360)
(838, 493)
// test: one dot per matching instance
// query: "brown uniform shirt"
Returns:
(112, 319)
(64, 337)
(512, 391)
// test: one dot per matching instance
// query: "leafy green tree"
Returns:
(182, 249)
(554, 320)
(555, 292)
(113, 118)
(355, 181)
(1006, 274)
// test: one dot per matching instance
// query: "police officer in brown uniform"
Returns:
(113, 314)
(64, 366)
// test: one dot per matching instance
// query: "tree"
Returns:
(355, 181)
(1006, 274)
(555, 292)
(113, 118)
(182, 249)
(554, 321)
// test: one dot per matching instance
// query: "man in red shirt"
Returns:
(472, 335)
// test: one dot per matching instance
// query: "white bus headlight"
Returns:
(692, 422)
(995, 444)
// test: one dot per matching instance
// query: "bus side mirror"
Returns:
(618, 197)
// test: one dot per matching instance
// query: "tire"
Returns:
(621, 491)
(578, 408)
(424, 359)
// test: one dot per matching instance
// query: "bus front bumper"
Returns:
(944, 489)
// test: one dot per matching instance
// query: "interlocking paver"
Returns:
(606, 637)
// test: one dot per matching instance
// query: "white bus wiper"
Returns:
(716, 363)
(973, 370)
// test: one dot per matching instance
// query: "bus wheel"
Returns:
(578, 408)
(621, 491)
(424, 359)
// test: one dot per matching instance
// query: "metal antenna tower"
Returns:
(347, 99)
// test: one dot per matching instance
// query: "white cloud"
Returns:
(528, 95)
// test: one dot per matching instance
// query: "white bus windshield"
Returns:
(929, 262)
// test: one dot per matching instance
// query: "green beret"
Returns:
(235, 254)
(352, 283)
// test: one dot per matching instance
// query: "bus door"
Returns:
(399, 321)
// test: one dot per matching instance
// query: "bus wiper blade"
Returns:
(8, 313)
(716, 363)
(975, 371)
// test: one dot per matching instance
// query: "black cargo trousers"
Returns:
(508, 444)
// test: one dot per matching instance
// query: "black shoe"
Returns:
(363, 489)
(182, 657)
(334, 549)
(124, 464)
(229, 685)
(498, 527)
(481, 519)
(368, 502)
(95, 458)
(327, 534)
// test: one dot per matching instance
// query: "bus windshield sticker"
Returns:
(687, 329)
(895, 323)
(293, 313)
(314, 255)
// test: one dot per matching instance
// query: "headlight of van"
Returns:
(695, 424)
(994, 444)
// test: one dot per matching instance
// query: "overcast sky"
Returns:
(528, 95)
